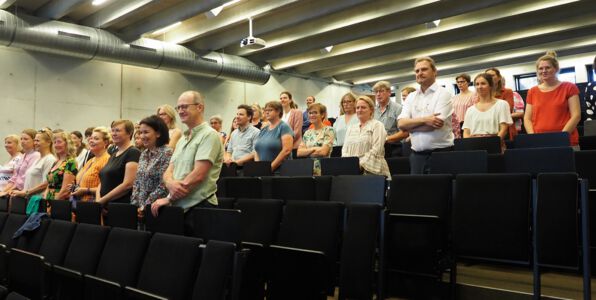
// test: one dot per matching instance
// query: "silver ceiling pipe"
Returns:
(83, 42)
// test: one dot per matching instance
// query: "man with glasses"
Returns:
(195, 165)
(427, 116)
(386, 112)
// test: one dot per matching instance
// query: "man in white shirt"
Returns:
(426, 115)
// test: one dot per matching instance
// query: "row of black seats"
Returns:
(63, 260)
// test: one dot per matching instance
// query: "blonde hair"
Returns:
(551, 57)
(15, 139)
(48, 136)
(107, 136)
(322, 109)
(216, 118)
(427, 59)
(369, 102)
(71, 150)
(382, 85)
(170, 112)
(257, 108)
(351, 97)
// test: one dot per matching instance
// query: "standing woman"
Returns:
(118, 175)
(87, 179)
(366, 140)
(81, 149)
(216, 123)
(503, 93)
(552, 105)
(318, 141)
(490, 116)
(62, 174)
(30, 156)
(274, 142)
(154, 161)
(257, 117)
(36, 175)
(11, 144)
(465, 98)
(347, 117)
(292, 116)
(168, 115)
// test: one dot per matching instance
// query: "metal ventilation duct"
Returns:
(61, 38)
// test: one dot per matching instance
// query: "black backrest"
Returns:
(539, 160)
(122, 215)
(459, 162)
(122, 255)
(217, 224)
(312, 225)
(169, 220)
(243, 187)
(496, 163)
(557, 232)
(4, 203)
(226, 202)
(323, 187)
(3, 217)
(260, 218)
(257, 168)
(490, 217)
(216, 267)
(398, 165)
(340, 166)
(18, 205)
(420, 195)
(56, 241)
(587, 142)
(85, 247)
(585, 162)
(228, 170)
(27, 274)
(13, 222)
(297, 167)
(358, 250)
(31, 240)
(336, 151)
(60, 210)
(88, 212)
(358, 188)
(491, 144)
(293, 188)
(170, 264)
(542, 140)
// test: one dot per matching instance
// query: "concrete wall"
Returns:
(40, 90)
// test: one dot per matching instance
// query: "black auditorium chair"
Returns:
(217, 224)
(4, 203)
(257, 169)
(28, 275)
(418, 208)
(31, 240)
(360, 240)
(491, 144)
(168, 269)
(12, 223)
(542, 140)
(60, 209)
(307, 244)
(358, 188)
(336, 151)
(323, 187)
(292, 188)
(243, 187)
(228, 170)
(340, 166)
(495, 163)
(585, 162)
(18, 205)
(56, 241)
(122, 215)
(297, 167)
(226, 202)
(560, 232)
(217, 264)
(587, 142)
(169, 220)
(459, 162)
(539, 160)
(88, 212)
(398, 165)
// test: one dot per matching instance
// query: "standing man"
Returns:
(387, 112)
(242, 140)
(305, 121)
(195, 165)
(427, 116)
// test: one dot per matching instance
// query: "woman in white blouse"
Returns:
(490, 116)
(366, 140)
(347, 111)
(35, 177)
(12, 146)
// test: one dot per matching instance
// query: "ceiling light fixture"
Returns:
(433, 24)
(326, 49)
(98, 2)
(166, 29)
(2, 2)
(214, 12)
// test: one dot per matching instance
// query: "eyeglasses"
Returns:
(380, 91)
(185, 106)
(461, 82)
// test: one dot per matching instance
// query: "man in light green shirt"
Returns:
(195, 165)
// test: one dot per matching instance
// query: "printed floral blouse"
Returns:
(56, 176)
(148, 185)
(319, 138)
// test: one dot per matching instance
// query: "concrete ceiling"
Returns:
(372, 39)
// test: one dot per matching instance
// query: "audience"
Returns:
(87, 179)
(305, 120)
(318, 141)
(347, 117)
(216, 123)
(154, 160)
(503, 93)
(36, 176)
(242, 140)
(11, 144)
(118, 175)
(552, 105)
(81, 148)
(62, 174)
(489, 116)
(138, 141)
(233, 127)
(168, 115)
(30, 156)
(292, 116)
(465, 99)
(274, 142)
(195, 165)
(386, 111)
(257, 119)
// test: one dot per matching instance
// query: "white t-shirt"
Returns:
(487, 122)
(38, 173)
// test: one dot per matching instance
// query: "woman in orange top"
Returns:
(552, 105)
(88, 177)
(503, 93)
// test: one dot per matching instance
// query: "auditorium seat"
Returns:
(169, 220)
(491, 144)
(12, 223)
(216, 269)
(358, 188)
(28, 275)
(4, 203)
(226, 202)
(31, 240)
(228, 170)
(56, 241)
(122, 215)
(242, 187)
(88, 212)
(459, 162)
(18, 205)
(540, 160)
(217, 224)
(542, 140)
(587, 142)
(60, 209)
(297, 167)
(292, 188)
(340, 166)
(398, 165)
(257, 169)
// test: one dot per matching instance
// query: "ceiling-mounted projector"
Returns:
(251, 42)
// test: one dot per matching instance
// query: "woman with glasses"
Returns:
(465, 98)
(62, 174)
(36, 175)
(216, 123)
(318, 141)
(347, 117)
(87, 179)
(30, 156)
(168, 114)
(274, 142)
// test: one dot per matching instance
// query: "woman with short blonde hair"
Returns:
(13, 148)
(168, 115)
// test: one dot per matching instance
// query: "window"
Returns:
(528, 80)
(591, 73)
(567, 74)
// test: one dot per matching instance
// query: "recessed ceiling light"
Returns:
(98, 2)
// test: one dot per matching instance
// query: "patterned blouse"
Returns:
(319, 138)
(368, 144)
(56, 176)
(149, 185)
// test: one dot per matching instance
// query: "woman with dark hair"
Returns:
(154, 161)
(465, 99)
(291, 116)
(503, 93)
(274, 142)
(81, 149)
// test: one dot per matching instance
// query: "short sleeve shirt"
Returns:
(487, 122)
(242, 141)
(112, 174)
(268, 144)
(201, 143)
(389, 116)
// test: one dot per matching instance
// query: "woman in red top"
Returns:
(552, 105)
(503, 93)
